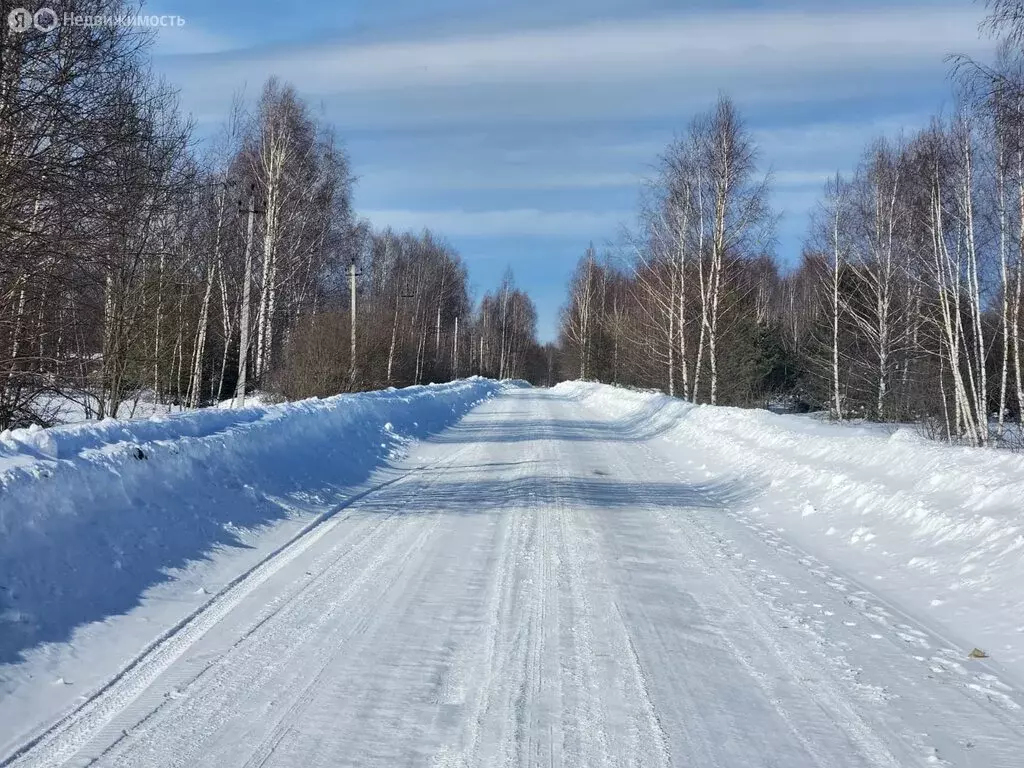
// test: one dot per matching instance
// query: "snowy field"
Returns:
(482, 575)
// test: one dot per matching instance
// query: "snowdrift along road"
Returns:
(580, 576)
(92, 515)
(937, 529)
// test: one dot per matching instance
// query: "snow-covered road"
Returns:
(543, 585)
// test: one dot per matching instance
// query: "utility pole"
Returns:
(243, 348)
(352, 321)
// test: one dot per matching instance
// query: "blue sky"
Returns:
(522, 131)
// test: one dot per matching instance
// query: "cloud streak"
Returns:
(530, 72)
(500, 223)
(772, 41)
(496, 177)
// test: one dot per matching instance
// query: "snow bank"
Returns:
(937, 529)
(93, 514)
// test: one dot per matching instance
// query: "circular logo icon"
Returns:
(20, 20)
(45, 19)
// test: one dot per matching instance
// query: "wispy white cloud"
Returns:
(596, 68)
(751, 41)
(501, 223)
(832, 136)
(189, 39)
(495, 177)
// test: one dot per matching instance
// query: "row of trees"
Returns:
(906, 304)
(681, 312)
(132, 264)
(415, 323)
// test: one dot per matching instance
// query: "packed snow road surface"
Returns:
(544, 585)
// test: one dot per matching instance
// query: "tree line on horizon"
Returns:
(906, 304)
(136, 262)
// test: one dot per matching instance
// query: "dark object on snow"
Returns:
(139, 454)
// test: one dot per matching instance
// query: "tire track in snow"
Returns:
(59, 742)
(592, 590)
(835, 692)
(702, 747)
(270, 645)
(825, 692)
(361, 621)
(507, 665)
(520, 670)
(482, 671)
(736, 608)
(209, 698)
(515, 666)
